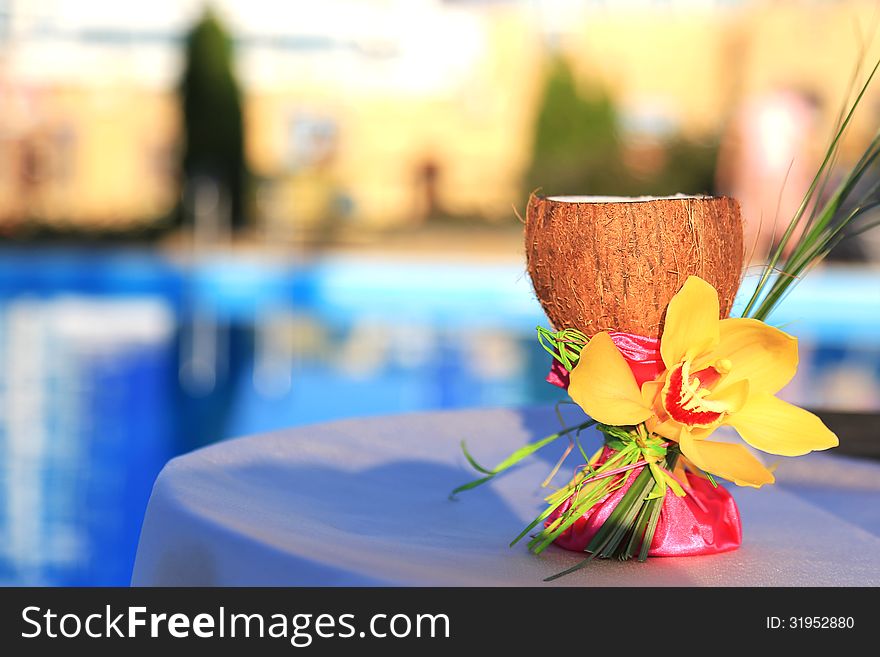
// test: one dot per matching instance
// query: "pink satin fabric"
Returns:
(684, 529)
(708, 524)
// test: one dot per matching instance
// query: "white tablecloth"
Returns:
(364, 502)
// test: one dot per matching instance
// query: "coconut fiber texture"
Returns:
(613, 265)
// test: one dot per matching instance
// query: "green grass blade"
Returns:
(470, 459)
(781, 248)
(650, 530)
(469, 486)
(531, 448)
(514, 458)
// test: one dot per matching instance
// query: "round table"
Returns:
(365, 502)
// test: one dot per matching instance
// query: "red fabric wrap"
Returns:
(705, 521)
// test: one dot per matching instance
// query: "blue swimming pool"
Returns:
(111, 362)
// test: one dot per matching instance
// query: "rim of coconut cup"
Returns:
(592, 199)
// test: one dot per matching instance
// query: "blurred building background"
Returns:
(229, 219)
(373, 114)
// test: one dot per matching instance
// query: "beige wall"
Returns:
(104, 157)
(476, 134)
(692, 67)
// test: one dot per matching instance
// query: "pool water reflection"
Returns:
(111, 366)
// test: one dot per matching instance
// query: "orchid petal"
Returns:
(764, 355)
(650, 392)
(603, 384)
(726, 460)
(777, 427)
(669, 429)
(691, 326)
(733, 395)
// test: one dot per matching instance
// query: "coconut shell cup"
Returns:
(613, 264)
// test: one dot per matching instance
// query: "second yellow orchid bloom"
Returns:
(718, 372)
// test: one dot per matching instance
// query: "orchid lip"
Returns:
(684, 397)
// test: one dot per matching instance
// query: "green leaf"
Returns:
(618, 523)
(562, 402)
(639, 534)
(654, 450)
(621, 433)
(826, 224)
(470, 459)
(534, 523)
(659, 481)
(468, 486)
(651, 529)
(569, 571)
(590, 491)
(630, 528)
(616, 526)
(600, 489)
(580, 447)
(515, 457)
(565, 346)
(528, 450)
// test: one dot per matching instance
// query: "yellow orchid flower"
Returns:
(718, 372)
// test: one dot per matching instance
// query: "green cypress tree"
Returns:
(576, 147)
(212, 114)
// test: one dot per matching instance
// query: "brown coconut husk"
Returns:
(613, 264)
